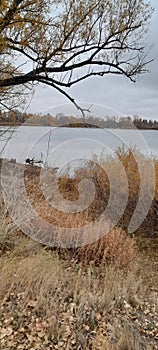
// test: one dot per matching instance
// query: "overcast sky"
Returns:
(110, 94)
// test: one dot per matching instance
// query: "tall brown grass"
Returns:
(116, 246)
(94, 171)
(76, 291)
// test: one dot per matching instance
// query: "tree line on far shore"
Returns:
(123, 122)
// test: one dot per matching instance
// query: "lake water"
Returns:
(68, 147)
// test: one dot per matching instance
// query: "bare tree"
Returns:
(62, 42)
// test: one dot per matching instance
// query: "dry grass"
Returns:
(62, 293)
(82, 298)
(95, 172)
(40, 272)
(76, 306)
(123, 337)
(115, 247)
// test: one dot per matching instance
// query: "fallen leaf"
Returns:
(6, 332)
(32, 303)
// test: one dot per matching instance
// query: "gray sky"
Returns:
(109, 94)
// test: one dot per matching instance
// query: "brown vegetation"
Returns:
(95, 171)
(99, 296)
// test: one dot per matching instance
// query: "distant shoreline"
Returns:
(78, 125)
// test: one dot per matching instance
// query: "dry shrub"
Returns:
(123, 337)
(89, 283)
(115, 247)
(95, 171)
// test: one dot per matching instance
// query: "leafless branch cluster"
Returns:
(60, 43)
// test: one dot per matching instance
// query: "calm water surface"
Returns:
(67, 147)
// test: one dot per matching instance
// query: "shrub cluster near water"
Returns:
(99, 296)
